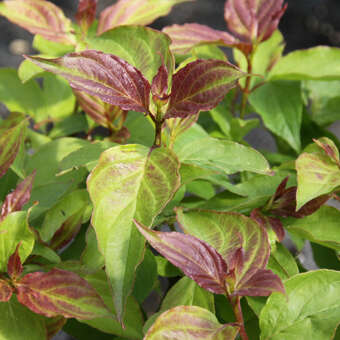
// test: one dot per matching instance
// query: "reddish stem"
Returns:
(236, 303)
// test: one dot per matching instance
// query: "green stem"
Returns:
(236, 303)
(246, 89)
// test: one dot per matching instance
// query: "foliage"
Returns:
(124, 165)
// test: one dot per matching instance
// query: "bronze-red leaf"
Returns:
(253, 20)
(201, 85)
(185, 37)
(106, 76)
(159, 86)
(262, 282)
(6, 291)
(60, 292)
(19, 197)
(14, 266)
(195, 258)
(86, 13)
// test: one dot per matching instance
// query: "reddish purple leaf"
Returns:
(106, 76)
(159, 86)
(39, 17)
(201, 85)
(260, 282)
(268, 222)
(195, 258)
(284, 202)
(241, 241)
(6, 291)
(60, 292)
(253, 20)
(14, 266)
(102, 113)
(86, 13)
(19, 197)
(185, 37)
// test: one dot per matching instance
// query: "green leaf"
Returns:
(141, 129)
(69, 205)
(12, 135)
(187, 292)
(189, 322)
(324, 100)
(51, 48)
(282, 262)
(196, 147)
(264, 58)
(137, 46)
(48, 188)
(86, 156)
(322, 227)
(91, 256)
(146, 276)
(166, 268)
(14, 229)
(280, 106)
(15, 318)
(133, 320)
(28, 70)
(317, 174)
(129, 182)
(19, 97)
(310, 311)
(317, 63)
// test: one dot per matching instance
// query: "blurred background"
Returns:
(306, 23)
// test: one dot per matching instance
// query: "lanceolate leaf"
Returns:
(242, 243)
(201, 85)
(185, 37)
(86, 13)
(19, 197)
(39, 17)
(5, 291)
(194, 257)
(103, 75)
(253, 20)
(190, 322)
(14, 266)
(134, 12)
(310, 311)
(129, 182)
(159, 86)
(60, 292)
(12, 134)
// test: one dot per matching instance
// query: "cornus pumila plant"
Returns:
(115, 186)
